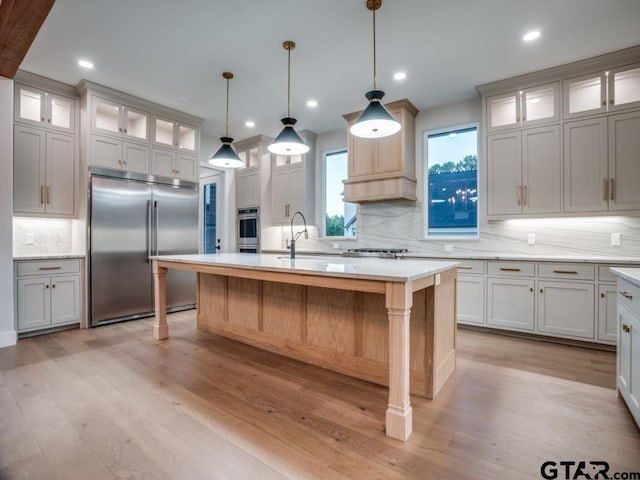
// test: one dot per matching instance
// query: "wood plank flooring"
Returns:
(112, 403)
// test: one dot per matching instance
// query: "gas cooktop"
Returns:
(374, 252)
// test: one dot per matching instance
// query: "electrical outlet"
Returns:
(336, 245)
(29, 239)
(531, 239)
(616, 239)
(448, 248)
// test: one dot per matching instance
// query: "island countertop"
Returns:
(359, 268)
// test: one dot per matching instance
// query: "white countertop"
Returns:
(630, 274)
(359, 268)
(48, 256)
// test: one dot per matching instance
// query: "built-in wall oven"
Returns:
(248, 230)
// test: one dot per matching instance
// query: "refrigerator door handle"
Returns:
(155, 231)
(149, 231)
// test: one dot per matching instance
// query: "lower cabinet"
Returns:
(607, 313)
(510, 303)
(45, 299)
(566, 309)
(470, 299)
(628, 380)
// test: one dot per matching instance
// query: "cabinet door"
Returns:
(585, 166)
(60, 114)
(541, 104)
(624, 162)
(65, 299)
(186, 138)
(30, 105)
(510, 303)
(470, 299)
(541, 170)
(162, 162)
(503, 111)
(389, 153)
(296, 192)
(105, 152)
(105, 116)
(162, 133)
(504, 194)
(279, 191)
(33, 308)
(248, 189)
(624, 88)
(187, 167)
(135, 124)
(566, 309)
(607, 313)
(29, 153)
(585, 95)
(624, 350)
(362, 156)
(60, 174)
(634, 360)
(135, 157)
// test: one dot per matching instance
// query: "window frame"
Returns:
(452, 234)
(323, 196)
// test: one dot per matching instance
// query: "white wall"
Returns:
(7, 328)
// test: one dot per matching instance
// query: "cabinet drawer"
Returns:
(470, 266)
(567, 271)
(518, 269)
(605, 274)
(48, 267)
(629, 296)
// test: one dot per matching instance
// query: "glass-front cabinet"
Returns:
(523, 108)
(168, 133)
(44, 109)
(116, 119)
(602, 92)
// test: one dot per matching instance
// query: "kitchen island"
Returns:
(391, 322)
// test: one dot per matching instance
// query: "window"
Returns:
(340, 216)
(452, 179)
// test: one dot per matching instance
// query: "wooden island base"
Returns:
(387, 321)
(342, 330)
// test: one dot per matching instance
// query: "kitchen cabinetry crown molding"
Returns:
(44, 83)
(85, 85)
(609, 60)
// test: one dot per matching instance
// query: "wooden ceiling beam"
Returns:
(20, 21)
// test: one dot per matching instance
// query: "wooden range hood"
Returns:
(383, 169)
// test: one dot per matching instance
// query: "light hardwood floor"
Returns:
(112, 403)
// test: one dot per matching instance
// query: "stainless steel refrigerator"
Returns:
(130, 219)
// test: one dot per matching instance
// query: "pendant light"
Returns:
(226, 156)
(375, 121)
(288, 142)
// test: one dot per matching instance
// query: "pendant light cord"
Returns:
(374, 50)
(289, 82)
(226, 127)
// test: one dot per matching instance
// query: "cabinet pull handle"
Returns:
(531, 289)
(568, 272)
(125, 130)
(541, 290)
(519, 195)
(612, 188)
(524, 195)
(53, 286)
(505, 269)
(605, 189)
(46, 286)
(611, 101)
(49, 268)
(42, 119)
(48, 120)
(604, 103)
(48, 195)
(120, 130)
(626, 328)
(465, 267)
(602, 295)
(626, 295)
(124, 162)
(41, 194)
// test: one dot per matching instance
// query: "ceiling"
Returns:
(174, 52)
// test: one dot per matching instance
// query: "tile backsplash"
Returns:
(44, 235)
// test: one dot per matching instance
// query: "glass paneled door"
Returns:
(211, 243)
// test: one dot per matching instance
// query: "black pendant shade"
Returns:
(288, 142)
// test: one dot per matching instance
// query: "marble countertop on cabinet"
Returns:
(529, 258)
(48, 256)
(630, 274)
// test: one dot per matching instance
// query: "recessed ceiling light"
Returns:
(400, 76)
(312, 103)
(249, 124)
(531, 36)
(453, 135)
(85, 64)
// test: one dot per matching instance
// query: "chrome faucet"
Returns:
(292, 244)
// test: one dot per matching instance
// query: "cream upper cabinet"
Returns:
(44, 172)
(44, 109)
(114, 118)
(292, 183)
(604, 91)
(117, 154)
(601, 170)
(524, 172)
(168, 163)
(252, 180)
(170, 133)
(531, 106)
(383, 168)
